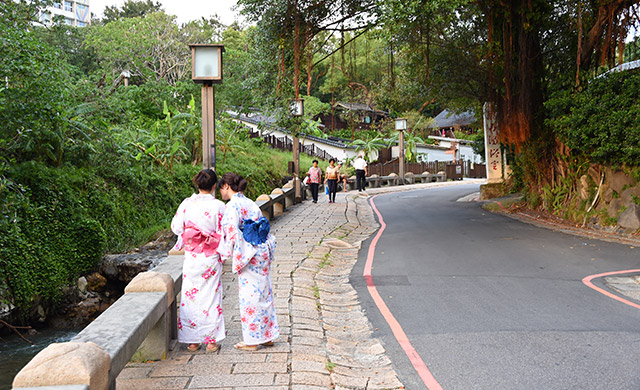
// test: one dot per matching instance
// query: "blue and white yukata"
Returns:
(252, 263)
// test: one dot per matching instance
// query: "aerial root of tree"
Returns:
(15, 329)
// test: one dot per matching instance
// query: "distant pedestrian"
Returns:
(198, 223)
(314, 176)
(360, 166)
(344, 175)
(250, 246)
(331, 179)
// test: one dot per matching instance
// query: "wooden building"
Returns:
(356, 115)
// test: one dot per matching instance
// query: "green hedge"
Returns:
(58, 222)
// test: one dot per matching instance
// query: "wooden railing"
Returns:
(468, 168)
(285, 143)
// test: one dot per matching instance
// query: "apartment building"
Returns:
(75, 12)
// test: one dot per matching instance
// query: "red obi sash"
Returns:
(198, 241)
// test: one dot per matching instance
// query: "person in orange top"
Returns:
(331, 179)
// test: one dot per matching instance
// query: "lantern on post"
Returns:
(206, 69)
(296, 109)
(401, 126)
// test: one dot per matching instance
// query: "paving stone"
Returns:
(298, 360)
(230, 358)
(389, 381)
(204, 381)
(312, 366)
(152, 383)
(311, 379)
(277, 357)
(312, 341)
(306, 348)
(307, 333)
(175, 358)
(283, 379)
(372, 349)
(349, 381)
(307, 387)
(311, 357)
(251, 368)
(134, 372)
(191, 369)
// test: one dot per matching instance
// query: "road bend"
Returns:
(489, 302)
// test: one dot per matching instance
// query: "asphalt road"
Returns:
(493, 303)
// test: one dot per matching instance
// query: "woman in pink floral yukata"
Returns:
(198, 225)
(251, 254)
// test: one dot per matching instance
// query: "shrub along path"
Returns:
(326, 340)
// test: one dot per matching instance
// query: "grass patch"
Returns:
(326, 260)
(330, 366)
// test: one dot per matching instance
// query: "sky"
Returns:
(185, 10)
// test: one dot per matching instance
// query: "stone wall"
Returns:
(618, 197)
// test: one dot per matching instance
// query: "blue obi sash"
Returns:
(255, 232)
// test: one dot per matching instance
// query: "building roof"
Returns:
(623, 67)
(270, 121)
(359, 107)
(449, 119)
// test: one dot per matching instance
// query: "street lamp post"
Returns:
(296, 109)
(126, 75)
(206, 69)
(401, 126)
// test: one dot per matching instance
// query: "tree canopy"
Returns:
(130, 9)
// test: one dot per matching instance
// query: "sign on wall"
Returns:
(493, 154)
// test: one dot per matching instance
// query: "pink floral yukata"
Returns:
(200, 317)
(252, 263)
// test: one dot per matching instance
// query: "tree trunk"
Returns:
(579, 52)
(309, 68)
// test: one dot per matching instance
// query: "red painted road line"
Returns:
(401, 337)
(587, 281)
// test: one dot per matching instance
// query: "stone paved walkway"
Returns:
(326, 340)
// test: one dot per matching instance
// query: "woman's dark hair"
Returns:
(332, 159)
(237, 183)
(205, 179)
(314, 161)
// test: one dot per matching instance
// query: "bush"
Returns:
(59, 222)
(602, 122)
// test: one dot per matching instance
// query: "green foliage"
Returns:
(229, 137)
(263, 167)
(130, 9)
(314, 106)
(602, 122)
(370, 145)
(57, 222)
(411, 141)
(35, 94)
(149, 47)
(478, 144)
(173, 140)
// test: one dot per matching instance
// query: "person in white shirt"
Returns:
(361, 171)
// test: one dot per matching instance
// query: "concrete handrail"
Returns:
(140, 322)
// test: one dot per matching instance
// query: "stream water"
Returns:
(15, 353)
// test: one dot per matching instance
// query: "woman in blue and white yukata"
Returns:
(250, 246)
